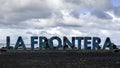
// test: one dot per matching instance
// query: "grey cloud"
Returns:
(73, 1)
(116, 11)
(90, 3)
(101, 14)
(29, 32)
(75, 13)
(69, 25)
(14, 14)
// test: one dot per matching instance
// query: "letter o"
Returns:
(50, 41)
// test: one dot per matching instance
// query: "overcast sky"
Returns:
(59, 18)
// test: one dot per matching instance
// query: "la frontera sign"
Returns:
(43, 41)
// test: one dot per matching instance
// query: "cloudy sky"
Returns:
(59, 18)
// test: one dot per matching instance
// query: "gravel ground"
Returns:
(59, 59)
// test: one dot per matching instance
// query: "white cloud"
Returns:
(16, 12)
(56, 17)
(114, 18)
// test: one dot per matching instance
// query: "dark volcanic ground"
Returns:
(59, 59)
